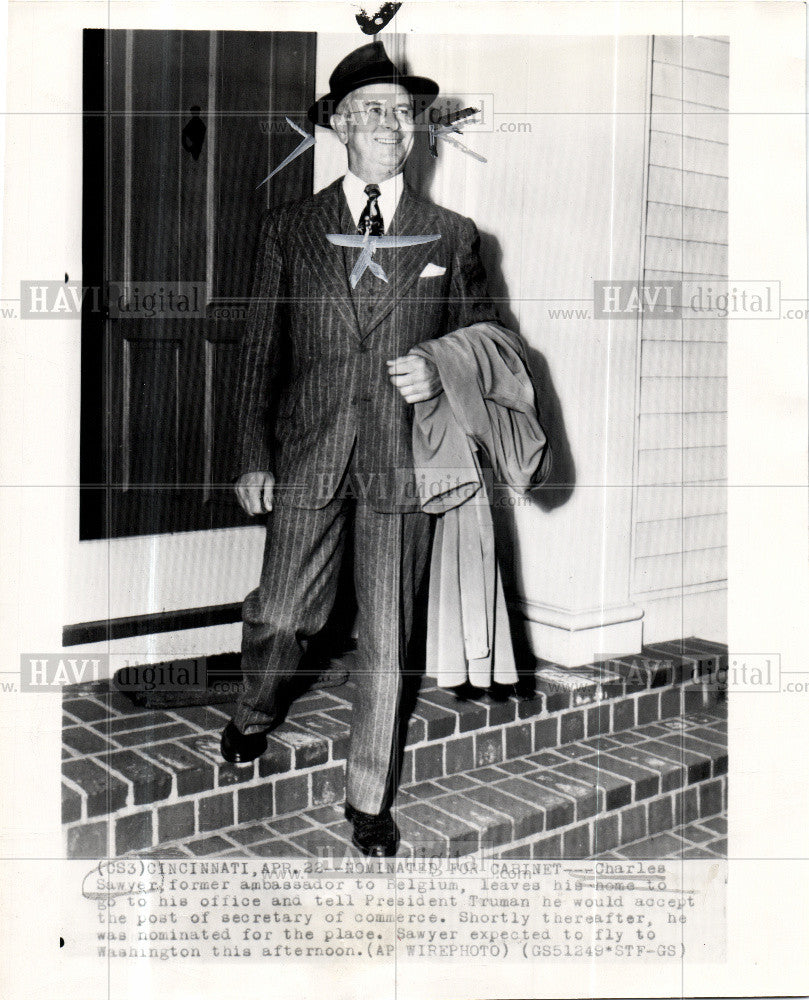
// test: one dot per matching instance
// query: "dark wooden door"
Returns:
(181, 206)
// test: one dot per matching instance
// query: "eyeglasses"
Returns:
(376, 113)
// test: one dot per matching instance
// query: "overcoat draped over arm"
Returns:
(488, 403)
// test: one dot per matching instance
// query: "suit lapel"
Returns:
(328, 216)
(347, 255)
(403, 265)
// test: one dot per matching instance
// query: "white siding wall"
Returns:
(680, 518)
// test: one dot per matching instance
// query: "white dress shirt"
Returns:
(390, 191)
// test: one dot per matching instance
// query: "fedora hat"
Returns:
(365, 65)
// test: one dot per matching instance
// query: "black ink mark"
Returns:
(448, 124)
(452, 117)
(440, 132)
(61, 942)
(372, 24)
(193, 134)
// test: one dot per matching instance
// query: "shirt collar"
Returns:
(390, 191)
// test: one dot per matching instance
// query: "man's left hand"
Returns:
(416, 378)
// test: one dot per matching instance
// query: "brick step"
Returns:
(580, 799)
(135, 778)
(583, 799)
(703, 838)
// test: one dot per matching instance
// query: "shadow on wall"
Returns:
(559, 486)
(553, 493)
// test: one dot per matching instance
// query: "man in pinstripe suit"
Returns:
(325, 421)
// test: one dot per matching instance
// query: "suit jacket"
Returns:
(314, 385)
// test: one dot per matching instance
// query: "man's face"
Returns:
(375, 123)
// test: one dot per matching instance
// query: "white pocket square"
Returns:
(433, 271)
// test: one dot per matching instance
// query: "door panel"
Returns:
(194, 124)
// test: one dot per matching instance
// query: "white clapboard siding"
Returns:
(681, 430)
(693, 281)
(677, 222)
(690, 256)
(662, 358)
(680, 509)
(701, 464)
(661, 503)
(691, 85)
(670, 466)
(711, 330)
(670, 114)
(680, 534)
(684, 569)
(683, 395)
(685, 187)
(660, 466)
(667, 149)
(704, 54)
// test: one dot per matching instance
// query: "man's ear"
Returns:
(338, 124)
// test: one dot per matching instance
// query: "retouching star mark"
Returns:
(369, 245)
(303, 145)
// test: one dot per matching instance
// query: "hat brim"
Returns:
(421, 88)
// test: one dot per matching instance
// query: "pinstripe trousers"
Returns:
(302, 557)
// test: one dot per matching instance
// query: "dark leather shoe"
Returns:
(241, 748)
(375, 835)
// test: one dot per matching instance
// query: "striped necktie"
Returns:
(371, 222)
